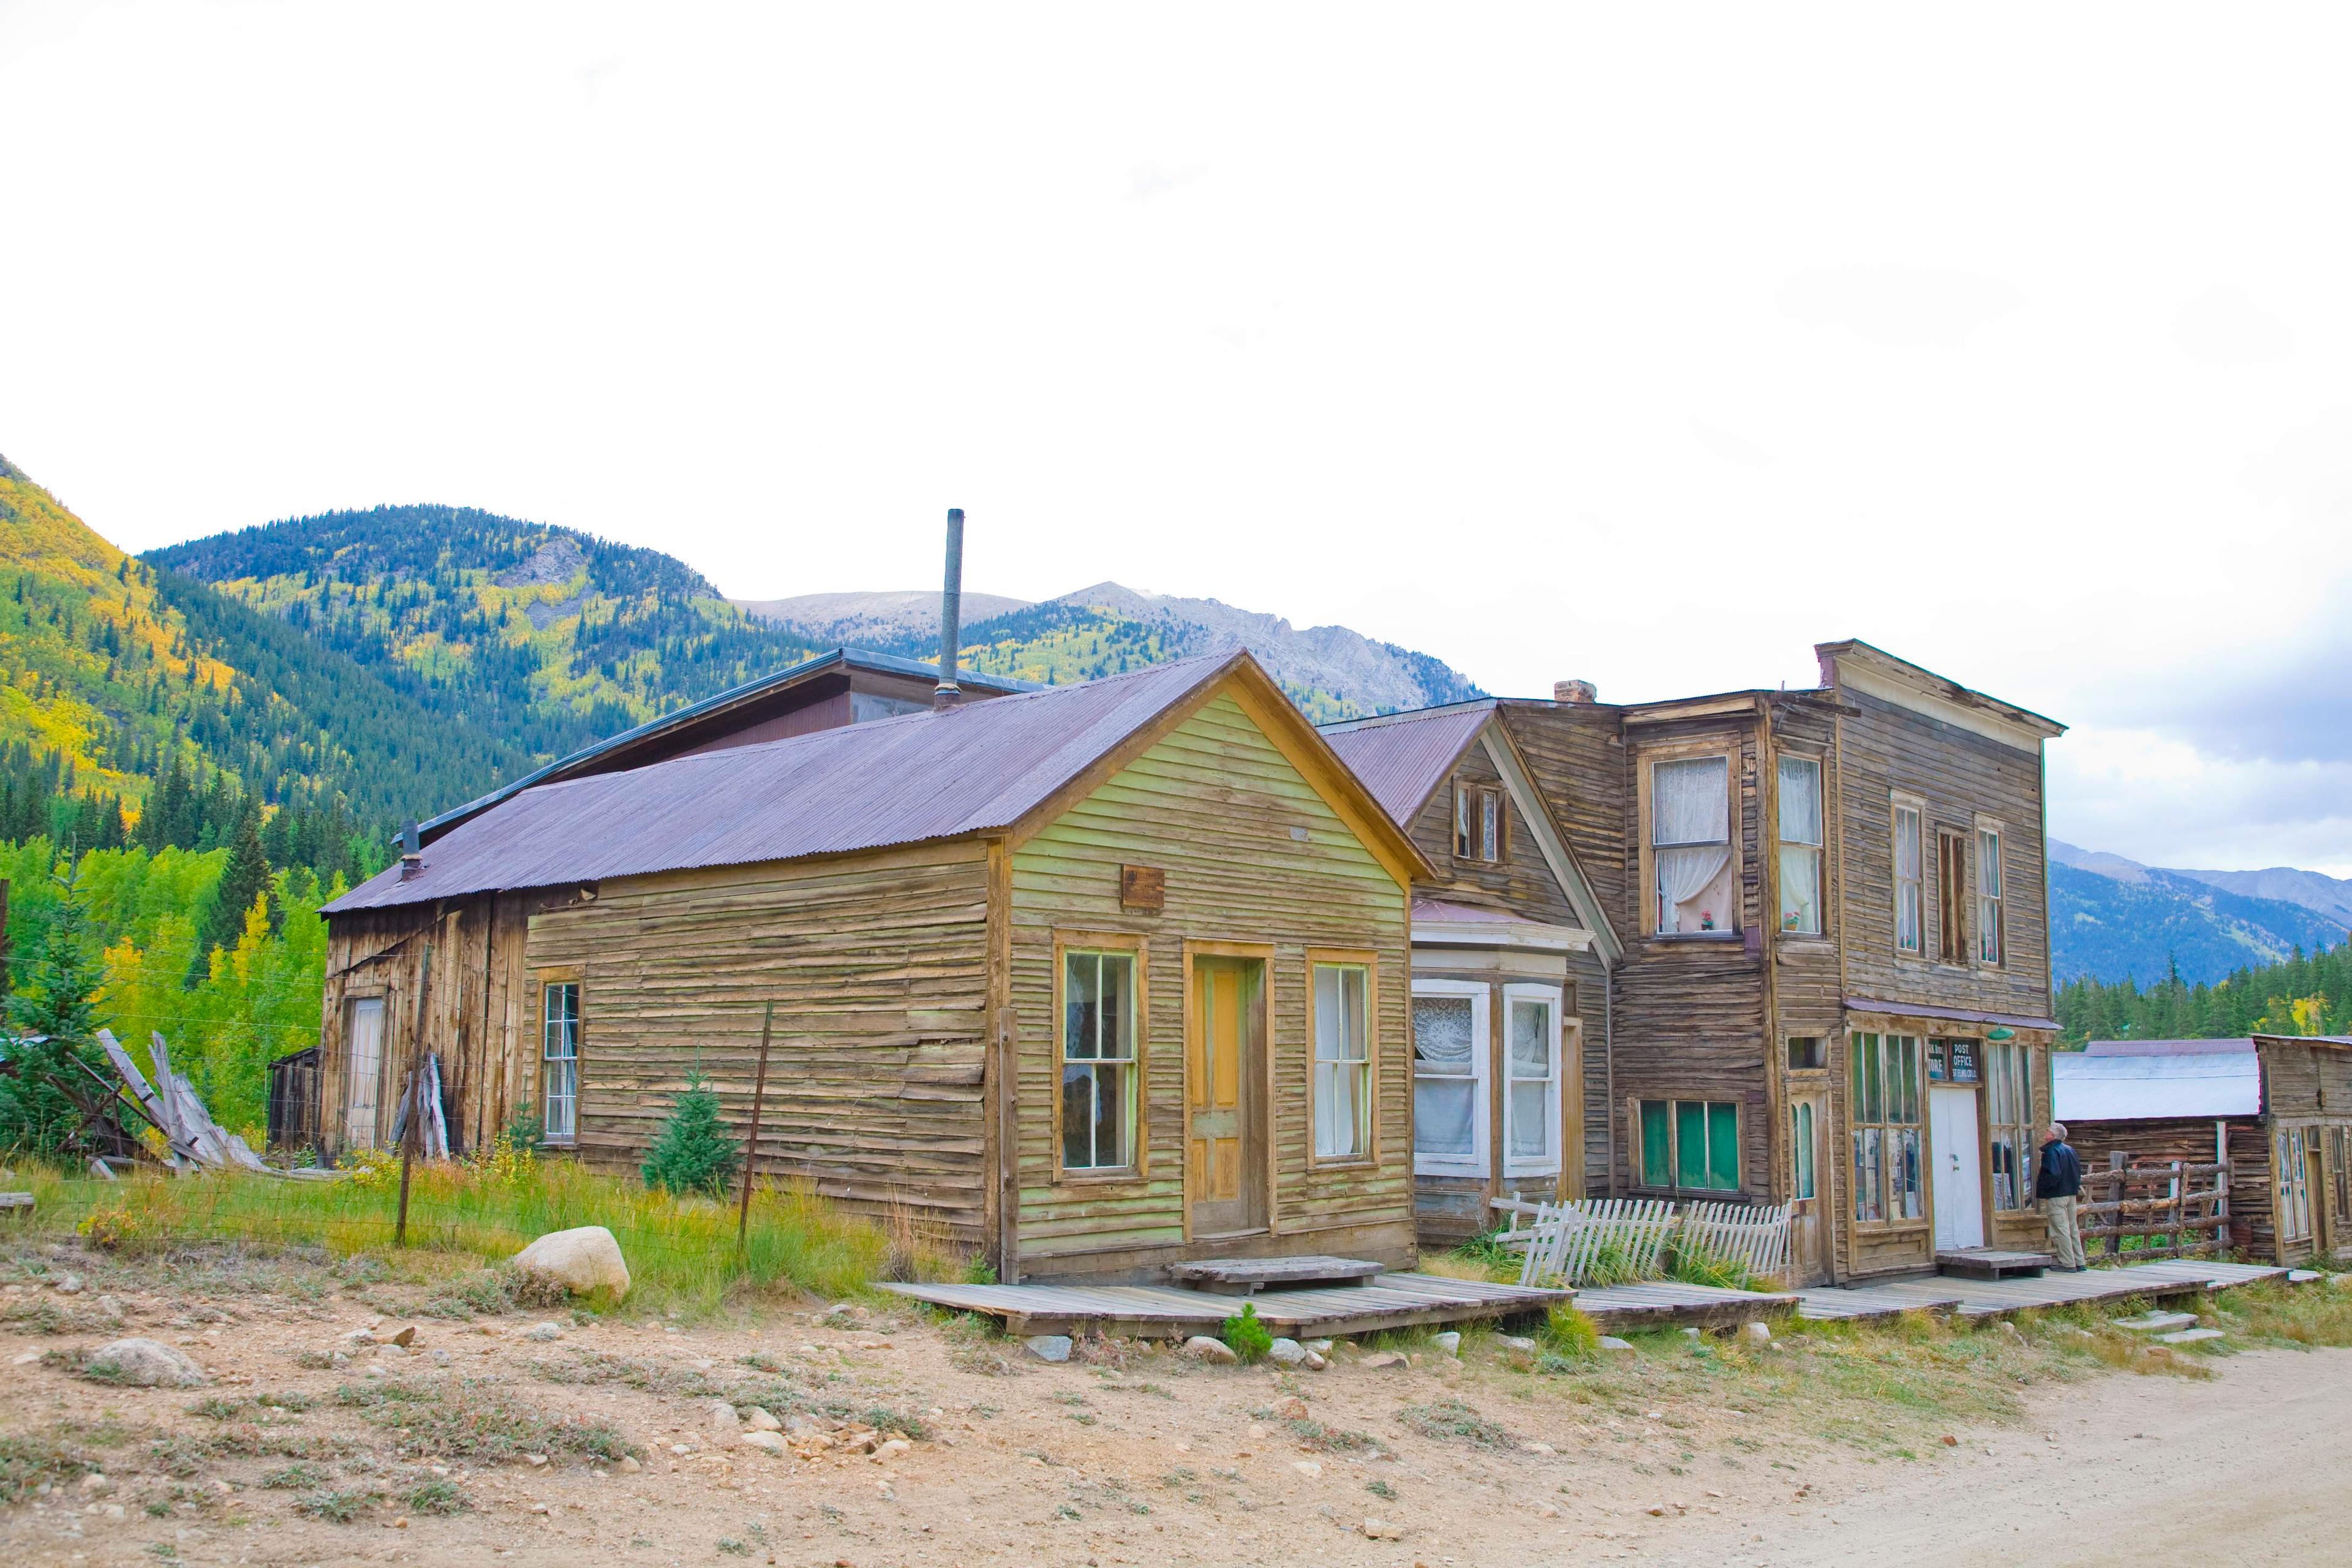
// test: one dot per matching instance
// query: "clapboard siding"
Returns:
(1213, 804)
(876, 965)
(1961, 776)
(1521, 882)
(1577, 756)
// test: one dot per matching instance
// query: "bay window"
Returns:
(1800, 846)
(1449, 1078)
(1690, 846)
(1531, 1066)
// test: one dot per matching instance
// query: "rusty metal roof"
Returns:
(1402, 757)
(977, 767)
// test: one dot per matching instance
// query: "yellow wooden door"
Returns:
(1224, 1164)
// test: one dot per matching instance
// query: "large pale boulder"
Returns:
(145, 1362)
(579, 1260)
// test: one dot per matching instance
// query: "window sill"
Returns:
(1108, 1176)
(1892, 1227)
(1698, 936)
(1803, 937)
(1472, 1172)
(1342, 1162)
(1522, 1173)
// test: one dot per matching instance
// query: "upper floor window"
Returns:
(1988, 896)
(1800, 846)
(1690, 844)
(1951, 897)
(1477, 822)
(1908, 899)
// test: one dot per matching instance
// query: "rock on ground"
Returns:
(581, 1260)
(1049, 1347)
(766, 1442)
(144, 1362)
(1450, 1342)
(1215, 1352)
(1289, 1353)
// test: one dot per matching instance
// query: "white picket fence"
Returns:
(1564, 1241)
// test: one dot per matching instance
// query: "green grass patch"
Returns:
(438, 1497)
(680, 1249)
(336, 1507)
(26, 1460)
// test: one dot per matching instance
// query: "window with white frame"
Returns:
(1909, 908)
(1098, 1076)
(1449, 1078)
(1343, 1062)
(1690, 846)
(1989, 895)
(1531, 1085)
(560, 1060)
(1800, 846)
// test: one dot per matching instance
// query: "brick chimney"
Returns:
(1579, 693)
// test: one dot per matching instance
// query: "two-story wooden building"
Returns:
(1835, 989)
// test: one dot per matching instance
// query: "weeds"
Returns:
(1570, 1333)
(467, 1419)
(1312, 1433)
(438, 1497)
(1451, 1420)
(26, 1461)
(336, 1507)
(294, 1477)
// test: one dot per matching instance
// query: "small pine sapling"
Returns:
(695, 1152)
(1246, 1337)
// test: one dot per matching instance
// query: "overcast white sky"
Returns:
(1647, 344)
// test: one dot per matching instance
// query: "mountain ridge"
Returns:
(2112, 918)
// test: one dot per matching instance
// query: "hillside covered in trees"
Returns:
(2302, 995)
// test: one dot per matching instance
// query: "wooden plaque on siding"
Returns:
(1143, 887)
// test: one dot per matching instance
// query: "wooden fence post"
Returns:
(407, 1151)
(2115, 1195)
(751, 1144)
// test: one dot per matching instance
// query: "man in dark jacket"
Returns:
(2057, 1183)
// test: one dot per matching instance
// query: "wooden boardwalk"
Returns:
(1163, 1312)
(1996, 1298)
(1670, 1303)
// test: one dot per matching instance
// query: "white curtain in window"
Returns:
(1690, 803)
(1800, 801)
(1445, 1088)
(1684, 874)
(1530, 1088)
(1801, 888)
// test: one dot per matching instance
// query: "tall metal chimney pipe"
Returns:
(951, 617)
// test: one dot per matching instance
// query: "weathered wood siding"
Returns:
(469, 998)
(877, 964)
(1213, 803)
(1521, 882)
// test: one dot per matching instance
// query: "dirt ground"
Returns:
(479, 1444)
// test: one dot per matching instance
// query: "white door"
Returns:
(1960, 1168)
(362, 1062)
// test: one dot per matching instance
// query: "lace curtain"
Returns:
(1444, 1087)
(1800, 801)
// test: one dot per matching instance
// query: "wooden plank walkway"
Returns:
(1657, 1303)
(1163, 1312)
(1998, 1297)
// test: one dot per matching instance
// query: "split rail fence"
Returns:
(2171, 1210)
(1629, 1238)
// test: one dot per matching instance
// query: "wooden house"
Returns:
(1511, 950)
(1835, 989)
(2277, 1107)
(1092, 979)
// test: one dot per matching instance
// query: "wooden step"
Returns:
(2189, 1336)
(1992, 1263)
(1248, 1276)
(2158, 1322)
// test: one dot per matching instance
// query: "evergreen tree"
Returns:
(694, 1152)
(244, 878)
(46, 1100)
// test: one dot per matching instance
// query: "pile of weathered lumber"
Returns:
(195, 1140)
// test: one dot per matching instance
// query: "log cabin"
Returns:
(1511, 950)
(2277, 1107)
(1835, 989)
(1090, 979)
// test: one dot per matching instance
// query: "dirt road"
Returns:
(2253, 1466)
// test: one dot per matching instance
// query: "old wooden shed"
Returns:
(2278, 1107)
(1093, 978)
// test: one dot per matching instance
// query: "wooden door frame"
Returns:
(1815, 1093)
(1975, 1091)
(1264, 952)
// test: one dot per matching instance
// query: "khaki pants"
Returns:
(2065, 1239)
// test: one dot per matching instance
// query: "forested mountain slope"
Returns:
(2112, 918)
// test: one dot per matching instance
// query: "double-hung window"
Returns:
(1477, 821)
(2009, 1106)
(1690, 846)
(1803, 1180)
(1531, 1117)
(1800, 846)
(1449, 1078)
(1989, 895)
(1908, 905)
(1690, 1145)
(1343, 1061)
(1951, 897)
(1883, 1108)
(1098, 1062)
(560, 1060)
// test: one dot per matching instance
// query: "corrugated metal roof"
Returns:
(865, 786)
(791, 675)
(2167, 1047)
(1402, 757)
(2137, 1088)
